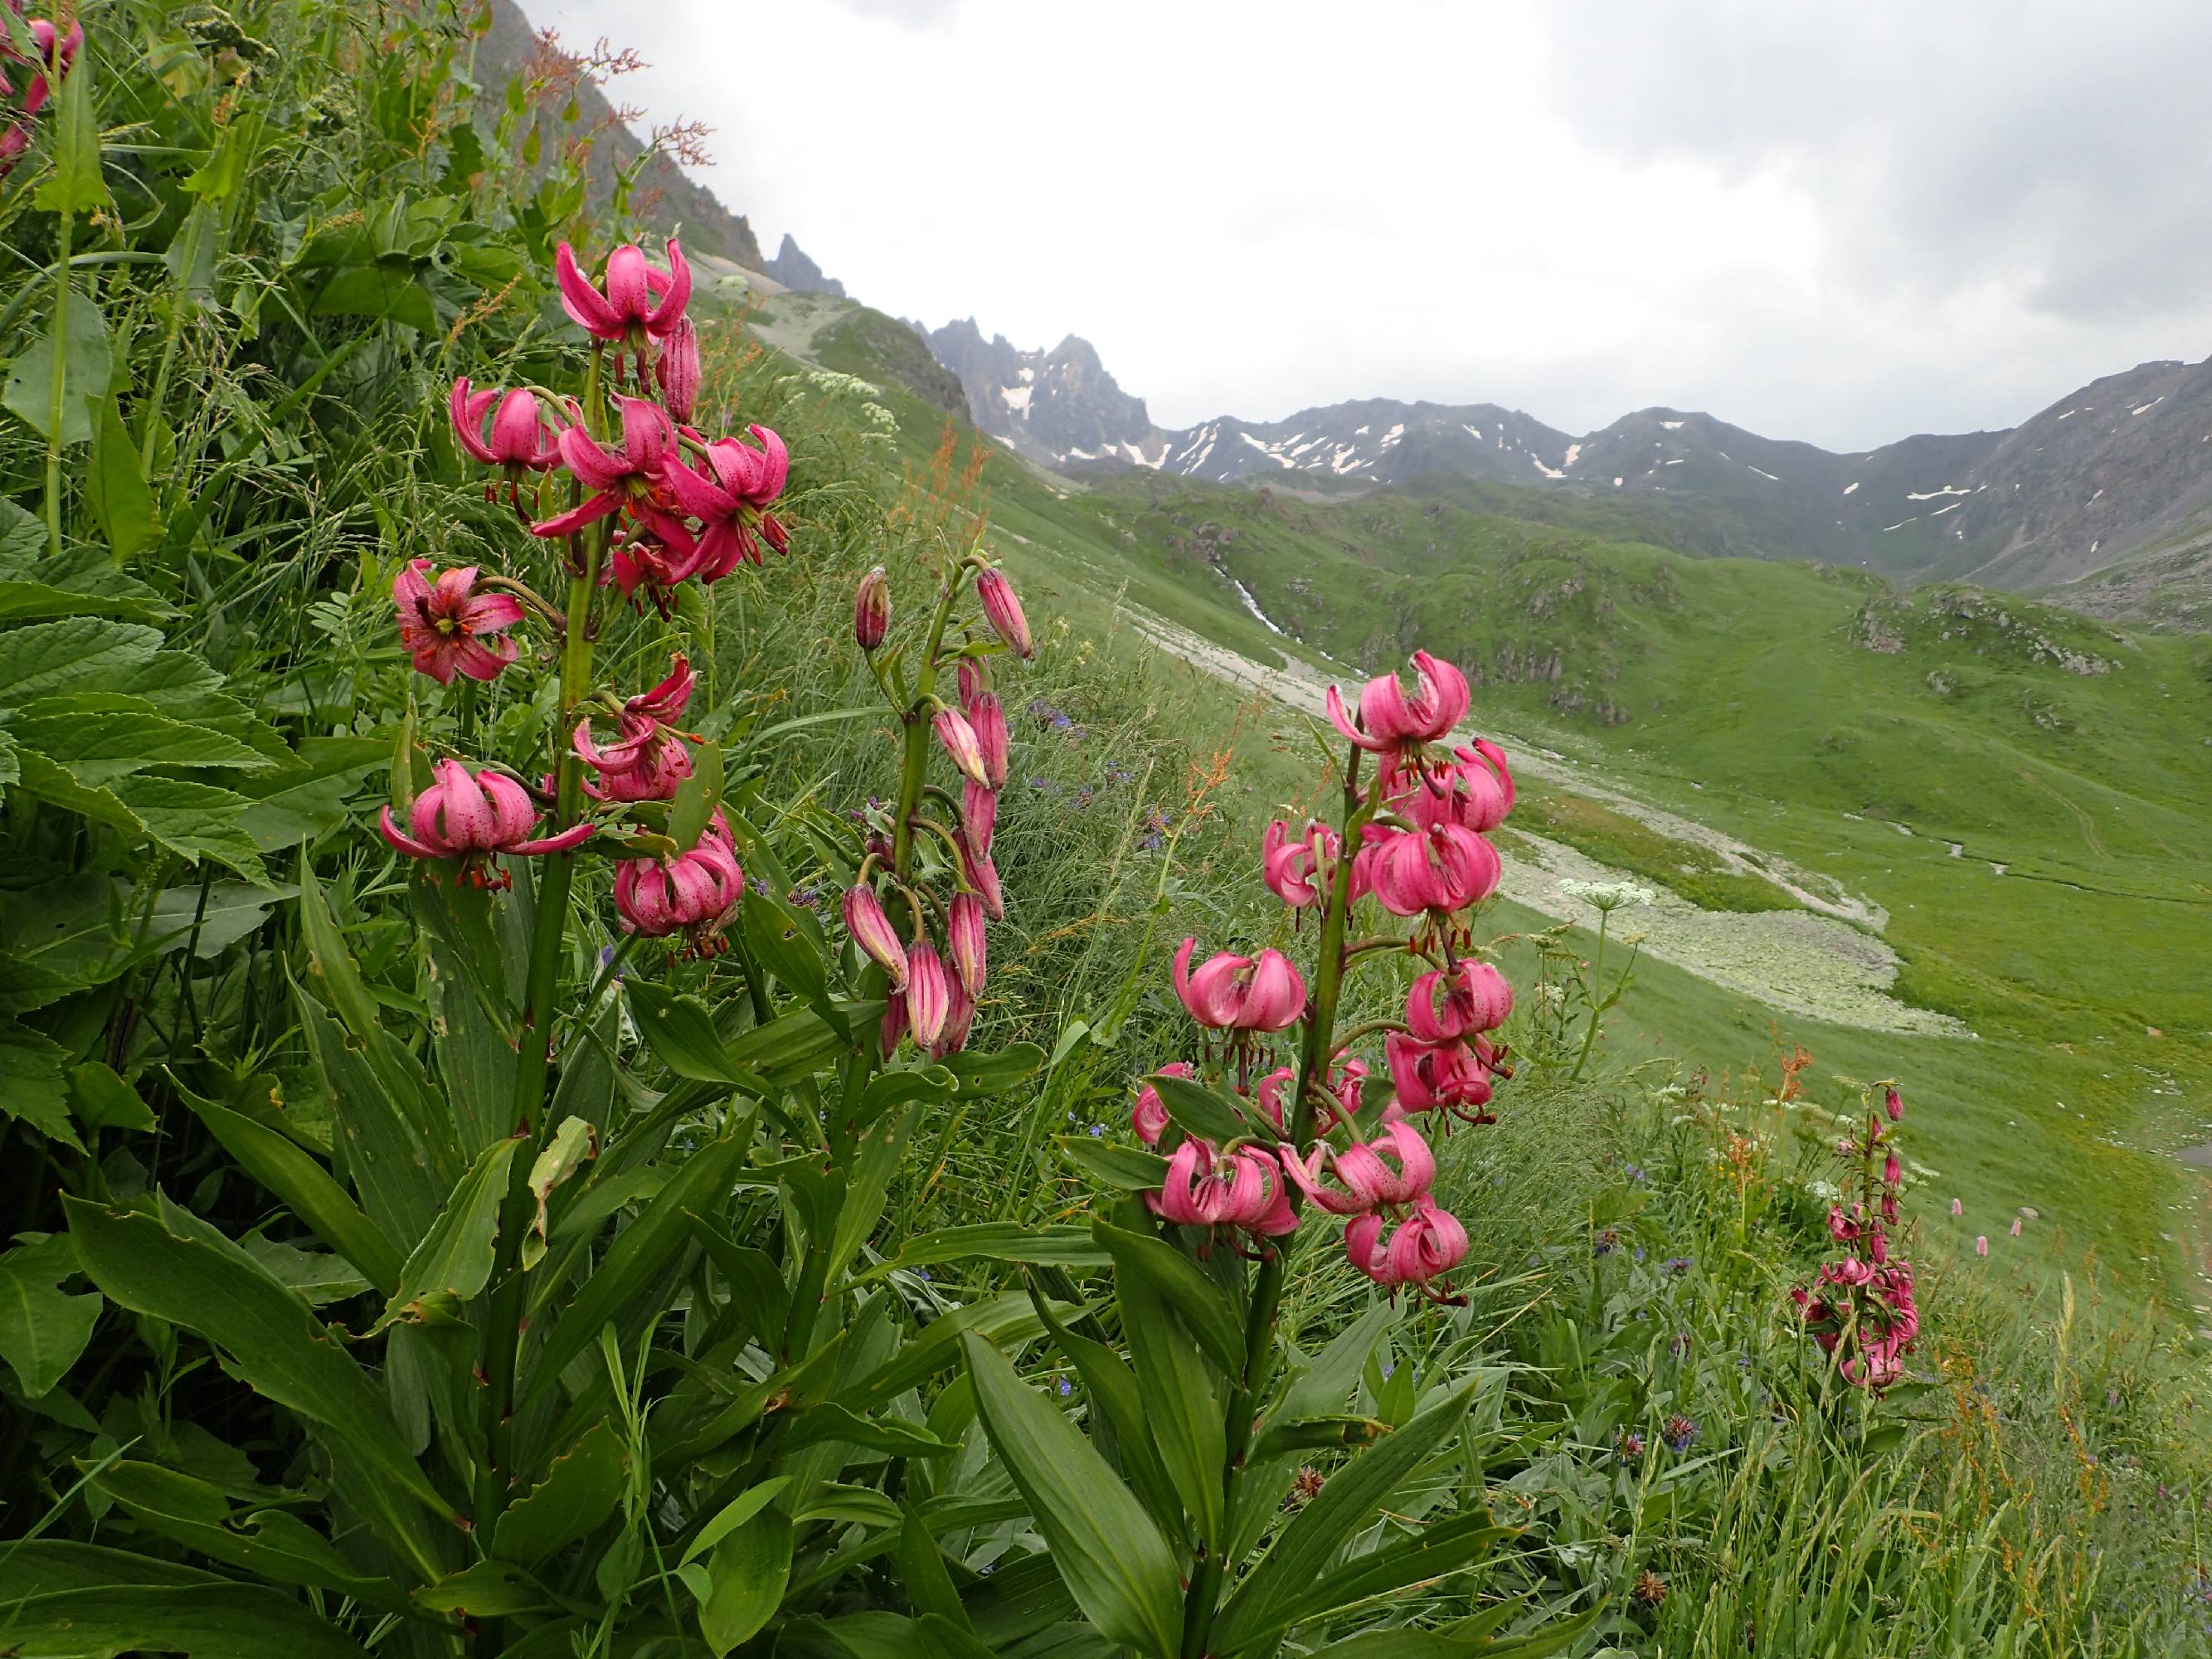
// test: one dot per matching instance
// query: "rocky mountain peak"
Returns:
(796, 271)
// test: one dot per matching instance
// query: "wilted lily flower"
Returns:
(449, 628)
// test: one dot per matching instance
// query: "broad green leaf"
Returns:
(117, 487)
(274, 1343)
(1125, 1168)
(52, 657)
(580, 1490)
(454, 1261)
(43, 1331)
(100, 737)
(29, 393)
(193, 819)
(1200, 1111)
(280, 1165)
(572, 1144)
(830, 1422)
(319, 1276)
(982, 1075)
(680, 1032)
(750, 1568)
(382, 288)
(1464, 1640)
(381, 1154)
(756, 1286)
(266, 1541)
(22, 600)
(941, 1638)
(489, 1590)
(1121, 1421)
(221, 914)
(636, 1258)
(1183, 1399)
(845, 1506)
(995, 1241)
(105, 1100)
(1348, 1501)
(191, 253)
(1115, 1562)
(217, 1620)
(1321, 1387)
(697, 797)
(1007, 1319)
(875, 1161)
(735, 1513)
(32, 1084)
(923, 1574)
(1184, 1285)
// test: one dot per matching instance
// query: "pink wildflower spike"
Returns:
(449, 628)
(1981, 1244)
(2015, 1226)
(987, 716)
(1003, 611)
(959, 740)
(471, 816)
(629, 480)
(964, 931)
(872, 931)
(979, 816)
(1233, 992)
(1958, 1208)
(731, 499)
(1297, 872)
(1149, 1115)
(694, 893)
(1393, 721)
(1892, 1103)
(928, 999)
(1476, 997)
(679, 372)
(638, 303)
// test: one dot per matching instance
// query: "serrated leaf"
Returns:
(34, 1089)
(42, 1331)
(1115, 1561)
(52, 657)
(101, 736)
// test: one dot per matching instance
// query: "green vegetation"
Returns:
(278, 1263)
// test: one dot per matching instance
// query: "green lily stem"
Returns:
(57, 382)
(499, 1341)
(1315, 1050)
(1597, 984)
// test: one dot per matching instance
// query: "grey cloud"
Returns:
(914, 14)
(2058, 151)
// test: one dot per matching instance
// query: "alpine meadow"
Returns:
(687, 970)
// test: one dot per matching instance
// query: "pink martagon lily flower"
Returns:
(1393, 721)
(1427, 1243)
(631, 478)
(649, 760)
(449, 628)
(638, 302)
(472, 816)
(731, 498)
(1437, 871)
(1297, 872)
(518, 442)
(960, 1018)
(679, 371)
(1233, 992)
(1451, 1076)
(57, 52)
(1204, 1187)
(1476, 997)
(1475, 792)
(1365, 1179)
(693, 893)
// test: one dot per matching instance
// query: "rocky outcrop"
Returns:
(792, 268)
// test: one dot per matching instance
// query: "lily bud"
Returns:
(964, 936)
(959, 740)
(979, 816)
(1893, 1103)
(871, 610)
(872, 931)
(1004, 612)
(988, 716)
(972, 682)
(928, 995)
(679, 371)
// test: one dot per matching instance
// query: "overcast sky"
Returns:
(1838, 222)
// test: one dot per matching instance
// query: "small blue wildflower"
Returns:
(1066, 1388)
(1635, 1173)
(1639, 1253)
(1096, 1130)
(1682, 1432)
